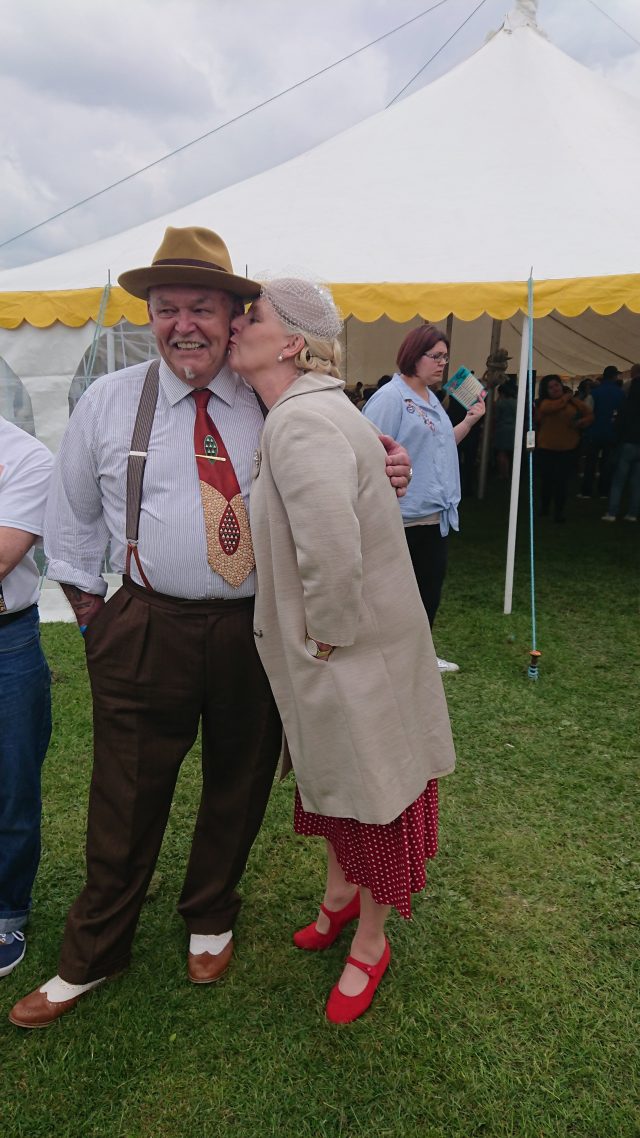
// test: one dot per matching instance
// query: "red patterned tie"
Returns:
(229, 546)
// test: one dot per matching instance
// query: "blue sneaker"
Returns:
(12, 950)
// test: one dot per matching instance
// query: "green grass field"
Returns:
(510, 1008)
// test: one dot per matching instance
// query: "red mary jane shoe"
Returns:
(344, 1009)
(313, 941)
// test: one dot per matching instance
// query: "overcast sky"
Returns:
(92, 90)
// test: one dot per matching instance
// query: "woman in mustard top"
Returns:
(560, 420)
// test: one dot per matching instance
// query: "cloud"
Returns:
(84, 139)
(97, 56)
(586, 33)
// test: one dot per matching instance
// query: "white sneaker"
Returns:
(446, 665)
(629, 518)
(608, 518)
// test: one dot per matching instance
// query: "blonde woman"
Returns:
(341, 632)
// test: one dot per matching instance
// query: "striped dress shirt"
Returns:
(87, 504)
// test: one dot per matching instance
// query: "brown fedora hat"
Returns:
(190, 256)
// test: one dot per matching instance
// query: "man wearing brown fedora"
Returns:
(156, 464)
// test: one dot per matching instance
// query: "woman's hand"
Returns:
(476, 411)
(473, 415)
(317, 648)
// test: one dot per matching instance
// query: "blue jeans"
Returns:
(627, 469)
(25, 729)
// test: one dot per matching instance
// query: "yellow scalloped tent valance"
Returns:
(500, 299)
(367, 302)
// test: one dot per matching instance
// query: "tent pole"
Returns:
(515, 471)
(448, 331)
(487, 424)
(449, 335)
(111, 350)
(104, 300)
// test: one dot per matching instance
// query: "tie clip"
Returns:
(212, 457)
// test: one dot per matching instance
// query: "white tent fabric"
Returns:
(518, 158)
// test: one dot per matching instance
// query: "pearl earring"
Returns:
(280, 358)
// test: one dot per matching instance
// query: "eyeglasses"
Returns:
(438, 357)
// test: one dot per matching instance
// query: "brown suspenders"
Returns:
(136, 464)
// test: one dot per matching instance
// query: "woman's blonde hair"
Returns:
(322, 356)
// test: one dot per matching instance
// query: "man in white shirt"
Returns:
(158, 464)
(25, 700)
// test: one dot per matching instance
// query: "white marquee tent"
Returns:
(519, 158)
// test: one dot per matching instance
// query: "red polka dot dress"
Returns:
(388, 860)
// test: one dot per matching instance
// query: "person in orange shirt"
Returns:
(560, 420)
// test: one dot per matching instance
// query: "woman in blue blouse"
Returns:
(408, 409)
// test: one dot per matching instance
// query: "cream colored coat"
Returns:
(368, 728)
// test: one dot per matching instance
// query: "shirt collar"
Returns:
(224, 385)
(429, 399)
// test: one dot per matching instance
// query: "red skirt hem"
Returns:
(388, 860)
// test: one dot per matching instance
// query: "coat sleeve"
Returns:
(315, 471)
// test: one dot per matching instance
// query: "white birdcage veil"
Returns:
(303, 305)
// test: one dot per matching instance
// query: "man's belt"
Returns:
(8, 617)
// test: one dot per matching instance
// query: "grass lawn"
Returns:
(510, 1007)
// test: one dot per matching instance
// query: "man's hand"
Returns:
(398, 465)
(84, 605)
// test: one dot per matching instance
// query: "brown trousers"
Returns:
(157, 667)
